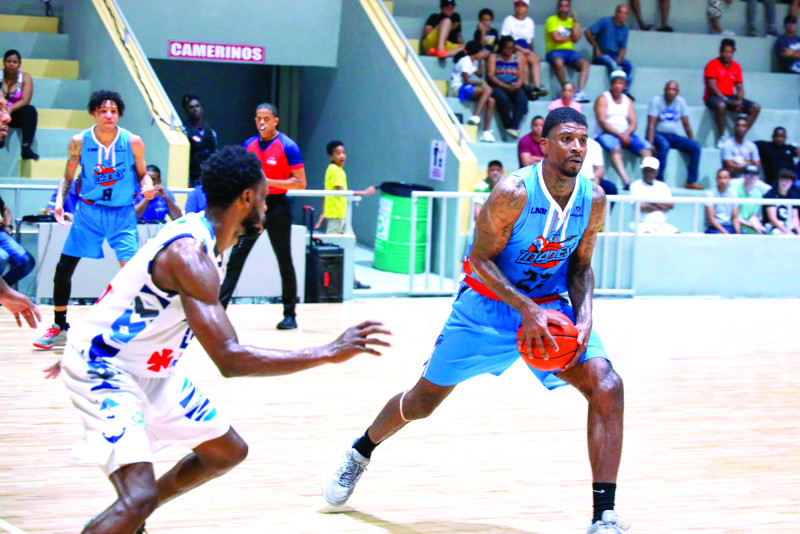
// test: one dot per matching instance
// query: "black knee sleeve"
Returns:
(62, 280)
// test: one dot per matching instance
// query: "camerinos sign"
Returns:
(218, 52)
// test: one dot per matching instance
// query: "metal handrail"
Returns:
(410, 52)
(173, 119)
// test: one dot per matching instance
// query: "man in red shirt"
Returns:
(283, 166)
(724, 89)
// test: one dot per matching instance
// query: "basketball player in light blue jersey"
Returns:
(111, 160)
(533, 243)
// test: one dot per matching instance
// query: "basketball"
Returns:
(565, 336)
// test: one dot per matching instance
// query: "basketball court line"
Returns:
(11, 529)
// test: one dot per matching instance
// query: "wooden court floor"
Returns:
(712, 437)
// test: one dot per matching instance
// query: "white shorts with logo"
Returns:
(127, 419)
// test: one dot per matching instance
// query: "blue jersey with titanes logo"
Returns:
(536, 257)
(108, 173)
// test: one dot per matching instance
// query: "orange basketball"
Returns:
(567, 339)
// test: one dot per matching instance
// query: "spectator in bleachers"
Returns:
(202, 137)
(567, 99)
(769, 16)
(714, 12)
(18, 90)
(493, 175)
(609, 39)
(725, 89)
(616, 118)
(776, 155)
(783, 219)
(161, 205)
(594, 167)
(506, 72)
(521, 28)
(441, 36)
(70, 201)
(529, 148)
(484, 33)
(669, 113)
(749, 214)
(653, 219)
(722, 218)
(562, 31)
(15, 261)
(466, 84)
(196, 201)
(738, 153)
(787, 46)
(664, 8)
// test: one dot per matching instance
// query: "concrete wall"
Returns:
(291, 32)
(374, 112)
(102, 65)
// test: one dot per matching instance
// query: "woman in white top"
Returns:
(466, 84)
(617, 121)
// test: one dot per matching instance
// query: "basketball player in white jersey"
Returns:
(120, 364)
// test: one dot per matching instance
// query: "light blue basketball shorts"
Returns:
(93, 224)
(480, 336)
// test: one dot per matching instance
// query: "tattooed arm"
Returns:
(580, 276)
(73, 160)
(492, 233)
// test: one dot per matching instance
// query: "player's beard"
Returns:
(253, 225)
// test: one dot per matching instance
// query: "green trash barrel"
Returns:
(393, 229)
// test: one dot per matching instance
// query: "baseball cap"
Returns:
(526, 2)
(751, 169)
(789, 19)
(618, 74)
(446, 3)
(650, 163)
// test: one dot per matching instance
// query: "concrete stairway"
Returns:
(59, 95)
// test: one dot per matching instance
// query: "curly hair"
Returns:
(229, 172)
(98, 97)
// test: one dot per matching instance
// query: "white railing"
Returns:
(300, 193)
(611, 238)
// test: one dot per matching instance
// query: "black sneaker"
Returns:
(531, 92)
(361, 285)
(141, 530)
(288, 323)
(28, 153)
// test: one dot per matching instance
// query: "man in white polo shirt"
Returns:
(653, 217)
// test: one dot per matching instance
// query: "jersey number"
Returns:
(533, 276)
(107, 194)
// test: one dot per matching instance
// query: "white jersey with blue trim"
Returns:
(536, 257)
(108, 173)
(135, 326)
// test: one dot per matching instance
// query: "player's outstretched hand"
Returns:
(19, 304)
(357, 339)
(53, 371)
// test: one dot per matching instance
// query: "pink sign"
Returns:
(218, 52)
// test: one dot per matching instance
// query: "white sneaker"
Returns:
(721, 142)
(339, 485)
(486, 136)
(512, 132)
(608, 524)
(475, 119)
(581, 96)
(728, 33)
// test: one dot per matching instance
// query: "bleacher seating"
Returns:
(658, 57)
